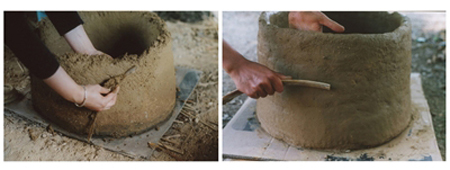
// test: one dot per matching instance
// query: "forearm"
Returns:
(65, 86)
(28, 47)
(231, 58)
(64, 21)
(70, 26)
(79, 41)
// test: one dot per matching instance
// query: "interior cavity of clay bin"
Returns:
(127, 35)
(146, 97)
(368, 68)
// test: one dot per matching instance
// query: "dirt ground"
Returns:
(195, 45)
(240, 30)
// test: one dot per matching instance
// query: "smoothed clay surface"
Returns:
(146, 97)
(368, 68)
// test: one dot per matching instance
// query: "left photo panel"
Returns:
(110, 86)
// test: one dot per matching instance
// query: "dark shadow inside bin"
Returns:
(128, 41)
(354, 22)
(365, 22)
(128, 36)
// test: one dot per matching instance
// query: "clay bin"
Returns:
(146, 97)
(368, 67)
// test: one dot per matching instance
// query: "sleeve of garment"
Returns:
(25, 44)
(64, 21)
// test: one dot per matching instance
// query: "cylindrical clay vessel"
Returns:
(368, 67)
(146, 97)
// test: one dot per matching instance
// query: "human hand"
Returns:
(99, 98)
(312, 21)
(256, 80)
(80, 42)
(65, 86)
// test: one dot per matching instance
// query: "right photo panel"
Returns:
(334, 85)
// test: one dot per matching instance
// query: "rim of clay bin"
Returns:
(163, 38)
(388, 36)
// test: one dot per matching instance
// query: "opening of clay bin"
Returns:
(368, 69)
(121, 33)
(354, 22)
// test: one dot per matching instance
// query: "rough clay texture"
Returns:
(146, 96)
(368, 68)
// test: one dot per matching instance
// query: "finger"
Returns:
(278, 85)
(112, 102)
(333, 25)
(104, 90)
(292, 20)
(102, 53)
(253, 95)
(109, 97)
(256, 96)
(320, 28)
(284, 77)
(267, 87)
(253, 92)
(262, 93)
(97, 53)
(116, 90)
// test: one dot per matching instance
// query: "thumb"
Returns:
(284, 77)
(333, 25)
(104, 90)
